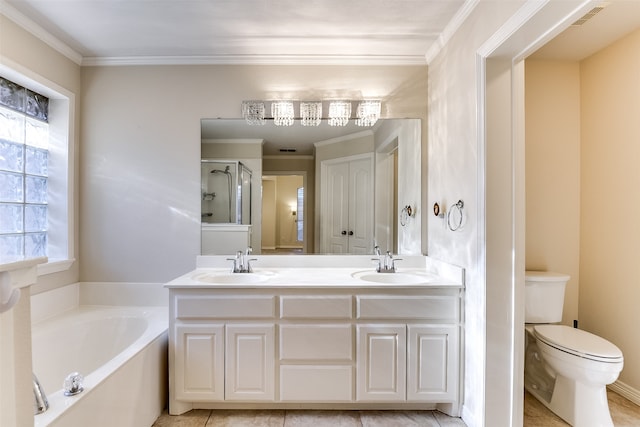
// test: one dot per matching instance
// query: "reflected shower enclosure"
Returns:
(225, 192)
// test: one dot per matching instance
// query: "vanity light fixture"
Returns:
(339, 113)
(282, 112)
(310, 113)
(368, 113)
(253, 112)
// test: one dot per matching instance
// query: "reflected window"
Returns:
(300, 213)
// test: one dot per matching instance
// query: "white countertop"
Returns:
(309, 277)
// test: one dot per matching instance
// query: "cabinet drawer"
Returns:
(441, 307)
(316, 383)
(225, 307)
(316, 307)
(316, 342)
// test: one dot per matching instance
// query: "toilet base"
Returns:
(580, 405)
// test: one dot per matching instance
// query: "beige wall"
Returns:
(552, 105)
(610, 201)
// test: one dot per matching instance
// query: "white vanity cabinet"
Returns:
(298, 346)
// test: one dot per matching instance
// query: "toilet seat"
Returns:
(578, 343)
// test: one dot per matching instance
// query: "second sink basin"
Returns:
(401, 278)
(231, 278)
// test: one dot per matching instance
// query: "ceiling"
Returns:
(97, 32)
(233, 30)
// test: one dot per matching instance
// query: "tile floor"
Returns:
(623, 412)
(296, 418)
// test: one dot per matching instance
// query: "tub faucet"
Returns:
(242, 263)
(41, 403)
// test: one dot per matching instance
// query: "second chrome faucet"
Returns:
(386, 262)
(242, 263)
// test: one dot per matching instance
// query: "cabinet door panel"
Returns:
(250, 362)
(199, 362)
(433, 359)
(381, 362)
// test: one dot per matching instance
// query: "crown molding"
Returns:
(371, 60)
(27, 24)
(450, 29)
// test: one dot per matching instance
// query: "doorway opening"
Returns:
(283, 208)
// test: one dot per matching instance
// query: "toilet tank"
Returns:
(544, 296)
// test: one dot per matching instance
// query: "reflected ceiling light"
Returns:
(310, 113)
(253, 112)
(368, 113)
(339, 113)
(282, 112)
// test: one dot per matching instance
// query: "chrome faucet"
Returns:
(386, 263)
(41, 403)
(242, 263)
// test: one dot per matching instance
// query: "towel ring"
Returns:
(456, 207)
(405, 214)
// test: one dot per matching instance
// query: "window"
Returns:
(36, 195)
(24, 154)
(300, 219)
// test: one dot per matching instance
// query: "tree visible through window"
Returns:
(24, 157)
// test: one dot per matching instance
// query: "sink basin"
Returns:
(232, 278)
(401, 278)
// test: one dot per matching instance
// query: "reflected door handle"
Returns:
(344, 232)
(351, 233)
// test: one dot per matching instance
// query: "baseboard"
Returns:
(625, 391)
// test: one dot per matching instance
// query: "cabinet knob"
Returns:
(351, 233)
(344, 232)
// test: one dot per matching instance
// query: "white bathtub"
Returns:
(122, 354)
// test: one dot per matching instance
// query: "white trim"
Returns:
(625, 391)
(233, 141)
(27, 24)
(451, 28)
(257, 60)
(55, 266)
(288, 157)
(344, 138)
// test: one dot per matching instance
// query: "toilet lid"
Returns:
(578, 342)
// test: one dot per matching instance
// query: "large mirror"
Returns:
(312, 190)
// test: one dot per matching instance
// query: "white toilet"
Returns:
(566, 369)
